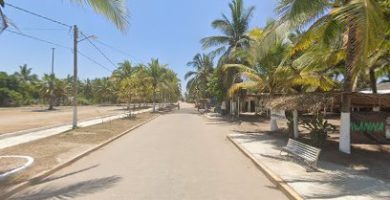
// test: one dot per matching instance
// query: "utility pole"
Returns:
(52, 60)
(51, 83)
(75, 41)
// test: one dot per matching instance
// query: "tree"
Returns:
(123, 77)
(53, 90)
(233, 39)
(24, 74)
(155, 71)
(200, 77)
(362, 24)
(234, 30)
(124, 70)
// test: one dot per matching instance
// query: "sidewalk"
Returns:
(331, 182)
(40, 134)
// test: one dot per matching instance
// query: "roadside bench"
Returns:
(308, 154)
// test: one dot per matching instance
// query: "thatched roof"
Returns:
(304, 102)
(365, 100)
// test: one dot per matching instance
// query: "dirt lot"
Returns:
(22, 118)
(56, 149)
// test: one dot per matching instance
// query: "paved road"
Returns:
(176, 156)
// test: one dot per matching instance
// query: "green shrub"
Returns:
(10, 97)
(319, 129)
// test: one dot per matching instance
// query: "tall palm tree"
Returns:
(170, 87)
(233, 38)
(234, 30)
(199, 78)
(113, 10)
(156, 72)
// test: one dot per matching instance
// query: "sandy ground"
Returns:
(179, 155)
(22, 118)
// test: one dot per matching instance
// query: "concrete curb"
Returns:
(60, 166)
(279, 182)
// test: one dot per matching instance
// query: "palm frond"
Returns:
(235, 88)
(115, 10)
(214, 41)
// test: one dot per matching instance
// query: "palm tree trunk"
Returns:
(345, 135)
(373, 81)
(154, 99)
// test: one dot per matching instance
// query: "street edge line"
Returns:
(279, 182)
(60, 166)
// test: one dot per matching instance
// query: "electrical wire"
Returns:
(99, 50)
(38, 15)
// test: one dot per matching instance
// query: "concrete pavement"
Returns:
(331, 181)
(176, 156)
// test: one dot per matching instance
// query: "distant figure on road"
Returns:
(178, 105)
(223, 108)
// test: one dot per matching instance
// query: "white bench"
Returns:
(307, 153)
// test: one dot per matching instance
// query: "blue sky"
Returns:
(169, 30)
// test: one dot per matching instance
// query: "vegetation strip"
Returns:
(45, 174)
(279, 182)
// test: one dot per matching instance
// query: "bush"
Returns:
(319, 129)
(10, 97)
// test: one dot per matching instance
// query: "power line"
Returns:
(94, 61)
(40, 29)
(115, 49)
(38, 15)
(100, 51)
(36, 38)
(59, 45)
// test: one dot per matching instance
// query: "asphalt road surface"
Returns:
(180, 155)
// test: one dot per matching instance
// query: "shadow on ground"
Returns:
(70, 191)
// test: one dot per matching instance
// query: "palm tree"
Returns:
(52, 88)
(170, 87)
(124, 70)
(234, 30)
(113, 10)
(199, 78)
(156, 73)
(361, 23)
(233, 38)
(24, 74)
(105, 90)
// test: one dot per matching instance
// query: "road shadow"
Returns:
(70, 191)
(49, 179)
(44, 110)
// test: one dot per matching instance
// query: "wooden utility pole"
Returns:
(75, 41)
